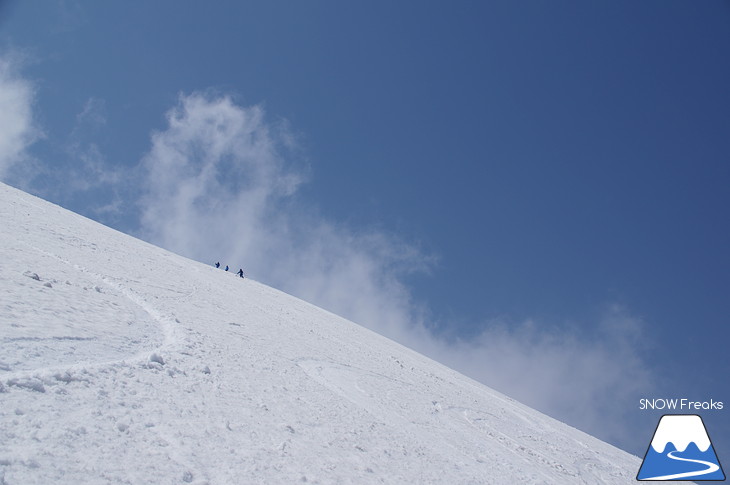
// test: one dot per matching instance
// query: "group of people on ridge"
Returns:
(240, 271)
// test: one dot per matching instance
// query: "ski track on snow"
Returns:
(64, 372)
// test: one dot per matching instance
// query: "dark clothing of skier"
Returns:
(226, 267)
(240, 273)
(218, 264)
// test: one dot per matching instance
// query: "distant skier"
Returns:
(240, 273)
(226, 267)
(218, 264)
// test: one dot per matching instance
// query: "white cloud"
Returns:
(214, 179)
(17, 127)
(218, 186)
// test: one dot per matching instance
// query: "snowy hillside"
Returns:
(123, 363)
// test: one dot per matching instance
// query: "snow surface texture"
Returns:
(123, 363)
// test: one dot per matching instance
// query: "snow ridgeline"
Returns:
(123, 363)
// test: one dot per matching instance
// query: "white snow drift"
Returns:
(123, 363)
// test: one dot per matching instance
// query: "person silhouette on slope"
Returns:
(240, 273)
(218, 264)
(226, 267)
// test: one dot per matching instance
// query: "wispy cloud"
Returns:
(88, 168)
(82, 177)
(219, 184)
(18, 129)
(93, 115)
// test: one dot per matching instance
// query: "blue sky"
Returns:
(535, 193)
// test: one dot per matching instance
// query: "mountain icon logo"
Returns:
(680, 450)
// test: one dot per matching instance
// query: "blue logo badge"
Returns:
(681, 450)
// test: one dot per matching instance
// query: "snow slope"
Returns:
(123, 363)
